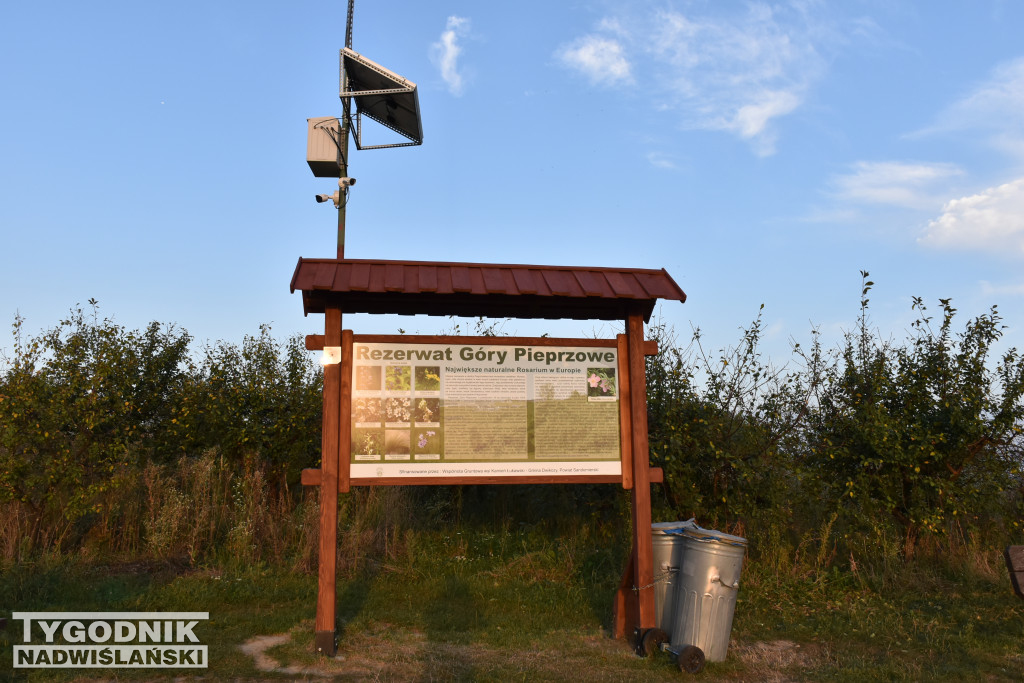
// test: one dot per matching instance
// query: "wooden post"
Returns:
(330, 443)
(1014, 555)
(625, 412)
(643, 550)
(345, 426)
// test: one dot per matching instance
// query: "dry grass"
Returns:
(776, 661)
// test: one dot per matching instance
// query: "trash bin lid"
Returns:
(696, 533)
(667, 527)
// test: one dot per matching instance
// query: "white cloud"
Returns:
(611, 25)
(894, 183)
(660, 160)
(775, 330)
(445, 53)
(994, 107)
(752, 119)
(737, 73)
(992, 220)
(988, 289)
(601, 60)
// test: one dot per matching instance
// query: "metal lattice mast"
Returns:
(348, 25)
(346, 120)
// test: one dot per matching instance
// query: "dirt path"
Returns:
(257, 649)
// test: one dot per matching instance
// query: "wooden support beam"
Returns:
(310, 476)
(643, 550)
(316, 342)
(313, 477)
(327, 579)
(1014, 556)
(345, 414)
(656, 474)
(624, 608)
(625, 413)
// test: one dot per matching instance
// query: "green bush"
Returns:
(134, 443)
(915, 440)
(262, 398)
(925, 435)
(725, 430)
(88, 409)
(80, 402)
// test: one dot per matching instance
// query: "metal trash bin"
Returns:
(705, 590)
(667, 560)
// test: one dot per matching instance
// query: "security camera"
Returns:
(343, 184)
(336, 198)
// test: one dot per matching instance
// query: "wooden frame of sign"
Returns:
(331, 286)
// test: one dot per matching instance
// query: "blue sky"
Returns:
(152, 156)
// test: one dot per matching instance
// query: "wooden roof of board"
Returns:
(479, 289)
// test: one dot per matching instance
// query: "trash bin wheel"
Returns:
(690, 659)
(651, 642)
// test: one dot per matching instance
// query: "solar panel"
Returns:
(381, 95)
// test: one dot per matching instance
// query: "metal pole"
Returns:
(348, 24)
(343, 191)
(343, 134)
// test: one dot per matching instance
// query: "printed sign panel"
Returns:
(454, 409)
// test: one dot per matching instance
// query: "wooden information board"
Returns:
(418, 410)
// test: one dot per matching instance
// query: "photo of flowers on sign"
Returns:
(427, 412)
(397, 378)
(367, 444)
(368, 378)
(366, 412)
(428, 378)
(427, 444)
(397, 410)
(601, 384)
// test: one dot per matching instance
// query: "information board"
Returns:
(455, 409)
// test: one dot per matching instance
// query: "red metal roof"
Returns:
(481, 289)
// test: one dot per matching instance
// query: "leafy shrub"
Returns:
(88, 409)
(724, 430)
(879, 439)
(77, 403)
(927, 434)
